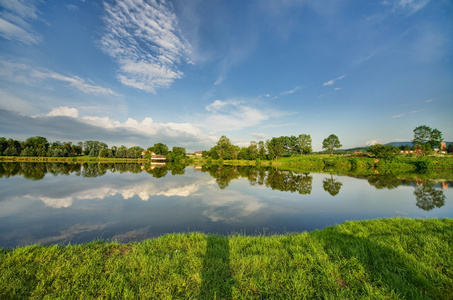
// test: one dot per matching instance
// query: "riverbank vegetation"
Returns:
(375, 259)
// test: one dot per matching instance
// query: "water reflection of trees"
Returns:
(331, 185)
(275, 179)
(37, 170)
(381, 181)
(289, 181)
(427, 197)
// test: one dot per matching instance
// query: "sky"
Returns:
(186, 72)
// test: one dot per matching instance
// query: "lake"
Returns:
(51, 203)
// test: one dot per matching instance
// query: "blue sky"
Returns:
(184, 73)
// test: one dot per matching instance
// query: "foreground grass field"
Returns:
(376, 259)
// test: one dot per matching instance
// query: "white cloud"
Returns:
(14, 21)
(217, 105)
(285, 93)
(147, 127)
(409, 6)
(145, 41)
(429, 100)
(61, 111)
(233, 115)
(337, 89)
(372, 142)
(398, 116)
(130, 132)
(23, 73)
(411, 112)
(332, 81)
(230, 206)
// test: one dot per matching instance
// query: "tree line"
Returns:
(39, 147)
(425, 140)
(271, 149)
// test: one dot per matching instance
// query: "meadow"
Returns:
(395, 258)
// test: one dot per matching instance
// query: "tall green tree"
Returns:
(3, 145)
(261, 150)
(37, 142)
(92, 148)
(427, 138)
(134, 152)
(275, 147)
(159, 149)
(290, 145)
(330, 143)
(225, 149)
(305, 144)
(178, 153)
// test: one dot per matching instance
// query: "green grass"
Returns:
(376, 259)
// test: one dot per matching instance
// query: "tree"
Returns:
(121, 152)
(275, 147)
(225, 148)
(383, 151)
(252, 151)
(36, 142)
(135, 152)
(159, 149)
(3, 145)
(92, 148)
(305, 143)
(290, 144)
(427, 138)
(261, 150)
(178, 153)
(331, 142)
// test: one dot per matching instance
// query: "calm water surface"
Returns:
(58, 203)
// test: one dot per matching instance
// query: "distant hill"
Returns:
(398, 144)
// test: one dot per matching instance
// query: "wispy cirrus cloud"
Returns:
(27, 74)
(332, 81)
(144, 39)
(15, 18)
(411, 112)
(289, 92)
(408, 6)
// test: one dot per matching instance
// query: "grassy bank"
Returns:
(377, 259)
(314, 162)
(319, 162)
